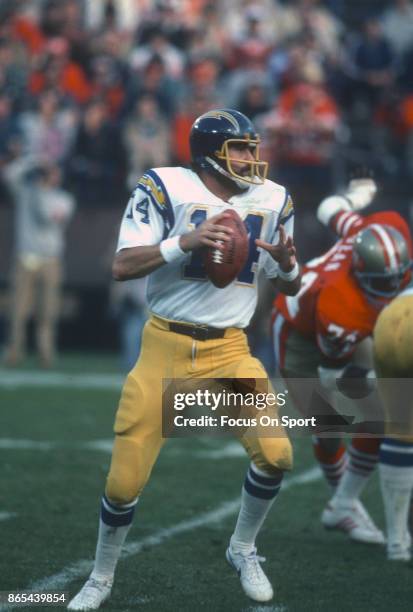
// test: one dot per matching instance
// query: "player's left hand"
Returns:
(284, 252)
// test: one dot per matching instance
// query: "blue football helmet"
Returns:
(210, 136)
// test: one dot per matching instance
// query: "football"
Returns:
(222, 267)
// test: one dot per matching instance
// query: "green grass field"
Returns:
(55, 435)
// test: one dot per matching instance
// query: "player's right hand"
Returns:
(208, 233)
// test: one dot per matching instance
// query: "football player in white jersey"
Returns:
(195, 329)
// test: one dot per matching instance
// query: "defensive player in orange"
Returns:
(320, 333)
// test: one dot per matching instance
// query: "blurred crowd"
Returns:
(108, 88)
(94, 92)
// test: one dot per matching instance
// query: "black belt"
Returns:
(197, 332)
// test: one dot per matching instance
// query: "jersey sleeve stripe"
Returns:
(159, 198)
(354, 219)
(339, 221)
(344, 221)
(286, 212)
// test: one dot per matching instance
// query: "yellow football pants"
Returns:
(138, 424)
(393, 356)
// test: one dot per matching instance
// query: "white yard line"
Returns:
(228, 451)
(81, 568)
(267, 608)
(104, 445)
(16, 444)
(5, 516)
(17, 379)
(232, 450)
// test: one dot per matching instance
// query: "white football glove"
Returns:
(361, 192)
(331, 206)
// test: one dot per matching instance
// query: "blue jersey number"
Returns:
(141, 207)
(253, 223)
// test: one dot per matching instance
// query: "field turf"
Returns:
(55, 436)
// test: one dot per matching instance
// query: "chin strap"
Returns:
(215, 165)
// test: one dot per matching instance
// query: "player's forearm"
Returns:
(137, 262)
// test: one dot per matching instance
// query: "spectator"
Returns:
(74, 32)
(154, 80)
(13, 72)
(120, 15)
(210, 36)
(17, 26)
(176, 23)
(97, 162)
(10, 134)
(248, 56)
(398, 26)
(407, 119)
(10, 139)
(107, 83)
(53, 18)
(324, 26)
(59, 72)
(204, 80)
(255, 100)
(181, 126)
(286, 65)
(405, 78)
(274, 17)
(251, 46)
(128, 305)
(43, 210)
(146, 138)
(391, 129)
(301, 130)
(48, 131)
(371, 67)
(159, 46)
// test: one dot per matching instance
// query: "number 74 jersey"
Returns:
(169, 202)
(331, 308)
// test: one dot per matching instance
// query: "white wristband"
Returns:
(291, 275)
(170, 249)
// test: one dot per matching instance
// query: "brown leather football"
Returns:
(222, 267)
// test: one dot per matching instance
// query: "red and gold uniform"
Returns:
(331, 310)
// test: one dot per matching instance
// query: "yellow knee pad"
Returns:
(270, 454)
(132, 462)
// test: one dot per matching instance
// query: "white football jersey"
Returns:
(169, 202)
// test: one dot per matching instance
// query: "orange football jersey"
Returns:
(331, 307)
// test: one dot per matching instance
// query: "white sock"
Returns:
(258, 495)
(108, 550)
(396, 481)
(114, 525)
(350, 486)
(356, 475)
